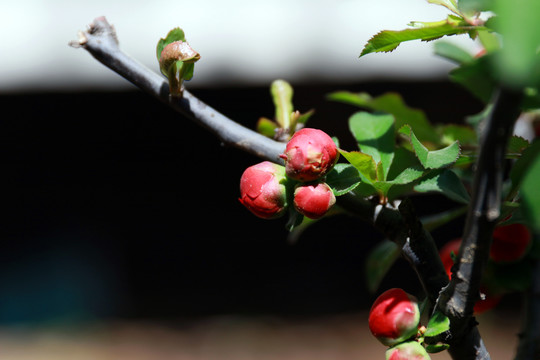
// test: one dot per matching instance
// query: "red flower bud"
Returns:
(313, 200)
(510, 243)
(488, 300)
(394, 317)
(411, 350)
(263, 190)
(309, 155)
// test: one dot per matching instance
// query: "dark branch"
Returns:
(457, 300)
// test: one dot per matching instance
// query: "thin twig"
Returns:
(100, 40)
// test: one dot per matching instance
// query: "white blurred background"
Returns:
(241, 42)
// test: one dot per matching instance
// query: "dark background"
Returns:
(117, 207)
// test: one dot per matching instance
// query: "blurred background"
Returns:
(122, 233)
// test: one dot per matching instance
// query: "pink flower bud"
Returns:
(263, 190)
(309, 155)
(313, 200)
(411, 350)
(394, 317)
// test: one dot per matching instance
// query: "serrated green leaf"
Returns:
(452, 52)
(364, 163)
(435, 159)
(516, 145)
(379, 261)
(375, 136)
(530, 193)
(343, 178)
(521, 167)
(391, 103)
(388, 40)
(446, 182)
(438, 324)
(476, 77)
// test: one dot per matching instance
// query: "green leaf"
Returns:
(391, 103)
(176, 34)
(516, 145)
(476, 77)
(436, 333)
(530, 193)
(364, 163)
(375, 135)
(522, 166)
(343, 178)
(266, 127)
(452, 52)
(517, 22)
(379, 261)
(282, 94)
(475, 5)
(446, 182)
(435, 159)
(388, 40)
(464, 134)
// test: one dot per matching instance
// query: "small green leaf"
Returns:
(516, 145)
(437, 328)
(364, 163)
(530, 193)
(388, 40)
(379, 261)
(435, 159)
(282, 94)
(522, 166)
(452, 52)
(343, 178)
(266, 127)
(376, 137)
(446, 182)
(391, 103)
(476, 77)
(475, 5)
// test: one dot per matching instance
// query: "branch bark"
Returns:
(457, 300)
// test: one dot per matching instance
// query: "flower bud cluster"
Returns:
(265, 188)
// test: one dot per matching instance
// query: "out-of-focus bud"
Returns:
(263, 190)
(510, 243)
(394, 317)
(410, 350)
(309, 155)
(313, 200)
